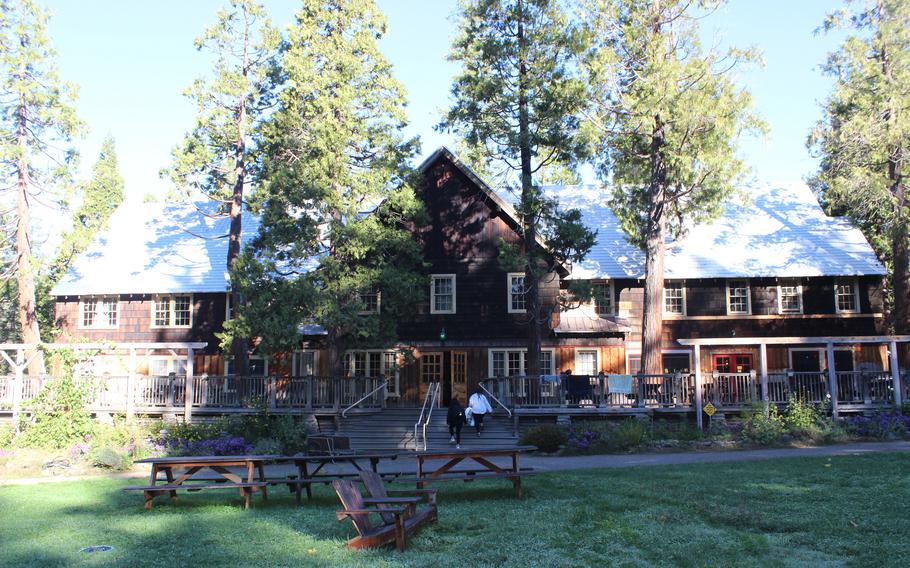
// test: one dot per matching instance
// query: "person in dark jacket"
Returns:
(455, 420)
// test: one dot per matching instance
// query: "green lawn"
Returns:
(826, 511)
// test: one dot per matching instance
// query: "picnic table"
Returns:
(480, 457)
(358, 460)
(180, 474)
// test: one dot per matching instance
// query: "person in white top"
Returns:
(479, 406)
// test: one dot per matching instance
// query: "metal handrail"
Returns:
(430, 414)
(499, 402)
(382, 385)
(423, 409)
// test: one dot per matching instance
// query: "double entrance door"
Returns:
(450, 370)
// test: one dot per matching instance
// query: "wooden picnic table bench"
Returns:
(176, 480)
(482, 457)
(306, 478)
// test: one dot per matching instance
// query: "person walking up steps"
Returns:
(479, 407)
(455, 419)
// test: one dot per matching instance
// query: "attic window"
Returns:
(790, 297)
(442, 294)
(846, 296)
(516, 283)
(738, 300)
(172, 311)
(674, 298)
(370, 300)
(603, 299)
(98, 313)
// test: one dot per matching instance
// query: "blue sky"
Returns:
(132, 61)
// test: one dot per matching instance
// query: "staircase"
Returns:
(393, 428)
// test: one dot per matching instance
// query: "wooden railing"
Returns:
(155, 393)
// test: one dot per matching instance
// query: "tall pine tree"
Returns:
(864, 136)
(517, 100)
(36, 120)
(101, 195)
(336, 197)
(216, 157)
(665, 116)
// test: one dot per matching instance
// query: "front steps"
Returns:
(393, 429)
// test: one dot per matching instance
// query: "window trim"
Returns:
(578, 350)
(433, 278)
(81, 316)
(522, 359)
(509, 292)
(855, 283)
(263, 358)
(295, 362)
(171, 311)
(748, 287)
(176, 361)
(682, 284)
(378, 303)
(636, 352)
(612, 292)
(799, 289)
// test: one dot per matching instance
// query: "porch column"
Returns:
(18, 386)
(895, 374)
(832, 379)
(698, 402)
(763, 369)
(188, 387)
(131, 386)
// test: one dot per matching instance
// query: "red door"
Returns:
(733, 363)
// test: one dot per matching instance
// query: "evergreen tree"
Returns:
(665, 117)
(864, 136)
(336, 198)
(517, 100)
(216, 157)
(101, 196)
(36, 119)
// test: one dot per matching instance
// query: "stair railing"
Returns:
(499, 402)
(423, 410)
(430, 414)
(381, 386)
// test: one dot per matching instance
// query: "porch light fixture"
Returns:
(442, 335)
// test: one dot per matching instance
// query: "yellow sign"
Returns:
(709, 409)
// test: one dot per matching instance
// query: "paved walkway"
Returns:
(543, 463)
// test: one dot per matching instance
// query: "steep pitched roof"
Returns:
(156, 248)
(773, 231)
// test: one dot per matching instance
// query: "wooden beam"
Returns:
(109, 346)
(763, 369)
(698, 402)
(17, 388)
(895, 373)
(131, 386)
(793, 340)
(188, 388)
(832, 379)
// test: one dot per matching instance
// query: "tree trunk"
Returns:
(652, 315)
(529, 206)
(28, 313)
(901, 278)
(239, 345)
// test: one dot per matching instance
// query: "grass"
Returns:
(841, 511)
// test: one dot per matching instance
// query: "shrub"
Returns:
(630, 433)
(806, 421)
(7, 435)
(589, 436)
(290, 434)
(267, 446)
(109, 458)
(666, 430)
(762, 424)
(58, 416)
(547, 437)
(879, 425)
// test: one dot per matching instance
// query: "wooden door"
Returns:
(431, 371)
(459, 376)
(733, 363)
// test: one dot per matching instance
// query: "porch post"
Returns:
(832, 379)
(763, 369)
(698, 401)
(895, 374)
(131, 386)
(18, 386)
(188, 387)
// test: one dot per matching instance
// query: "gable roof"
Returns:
(770, 231)
(156, 248)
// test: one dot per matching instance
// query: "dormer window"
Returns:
(98, 313)
(790, 297)
(846, 296)
(515, 282)
(738, 297)
(442, 294)
(674, 298)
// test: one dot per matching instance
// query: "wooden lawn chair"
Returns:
(405, 521)
(377, 490)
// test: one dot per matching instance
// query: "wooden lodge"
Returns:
(773, 300)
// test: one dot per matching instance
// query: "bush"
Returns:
(762, 424)
(879, 425)
(631, 432)
(109, 458)
(222, 445)
(267, 446)
(602, 436)
(547, 437)
(666, 430)
(807, 421)
(58, 416)
(7, 435)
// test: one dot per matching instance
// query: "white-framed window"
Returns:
(257, 365)
(442, 294)
(430, 367)
(846, 295)
(228, 307)
(739, 301)
(515, 285)
(172, 311)
(374, 363)
(789, 297)
(98, 313)
(672, 360)
(511, 362)
(586, 362)
(162, 366)
(603, 298)
(674, 298)
(370, 301)
(305, 363)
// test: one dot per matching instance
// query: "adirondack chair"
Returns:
(377, 490)
(405, 520)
